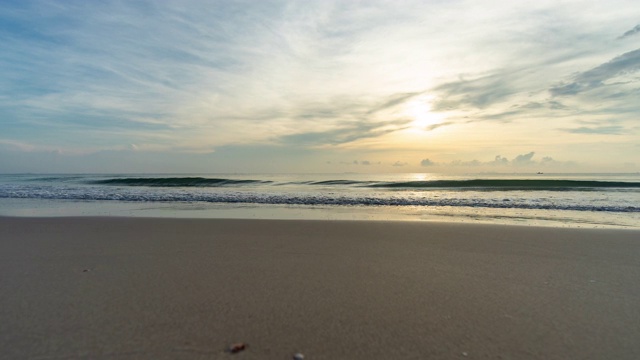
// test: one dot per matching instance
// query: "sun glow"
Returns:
(423, 117)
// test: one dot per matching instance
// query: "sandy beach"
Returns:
(141, 288)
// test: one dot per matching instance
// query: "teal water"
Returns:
(611, 200)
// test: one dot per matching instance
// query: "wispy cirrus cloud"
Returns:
(344, 133)
(623, 65)
(478, 93)
(600, 130)
(632, 32)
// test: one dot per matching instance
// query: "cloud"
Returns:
(621, 65)
(343, 133)
(478, 93)
(426, 162)
(359, 162)
(348, 119)
(393, 101)
(399, 163)
(472, 163)
(534, 105)
(13, 145)
(504, 95)
(556, 105)
(499, 160)
(600, 130)
(631, 32)
(524, 159)
(439, 125)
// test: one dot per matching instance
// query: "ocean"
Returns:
(565, 200)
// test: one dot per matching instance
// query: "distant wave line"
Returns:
(477, 184)
(510, 184)
(177, 182)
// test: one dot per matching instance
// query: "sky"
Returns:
(319, 86)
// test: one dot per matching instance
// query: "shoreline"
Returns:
(35, 208)
(135, 287)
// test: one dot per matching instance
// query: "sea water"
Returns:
(575, 200)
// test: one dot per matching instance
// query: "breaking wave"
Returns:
(176, 182)
(234, 197)
(475, 184)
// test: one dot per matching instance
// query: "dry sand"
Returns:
(129, 288)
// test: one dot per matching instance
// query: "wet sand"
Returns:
(135, 288)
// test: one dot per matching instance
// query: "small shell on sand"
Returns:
(236, 348)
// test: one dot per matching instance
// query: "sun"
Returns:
(420, 111)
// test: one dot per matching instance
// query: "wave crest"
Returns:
(177, 182)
